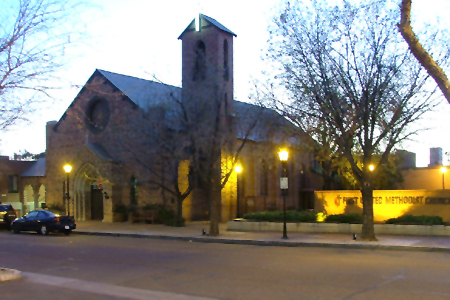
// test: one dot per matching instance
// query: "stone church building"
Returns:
(97, 132)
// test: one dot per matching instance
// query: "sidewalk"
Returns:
(193, 232)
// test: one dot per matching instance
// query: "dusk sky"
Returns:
(139, 38)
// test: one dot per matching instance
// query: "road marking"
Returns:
(106, 289)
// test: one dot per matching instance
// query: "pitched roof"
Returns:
(204, 22)
(144, 93)
(270, 125)
(15, 167)
(37, 169)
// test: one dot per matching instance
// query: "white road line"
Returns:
(105, 289)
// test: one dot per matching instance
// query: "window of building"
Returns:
(133, 191)
(315, 164)
(200, 61)
(264, 179)
(97, 114)
(12, 184)
(226, 72)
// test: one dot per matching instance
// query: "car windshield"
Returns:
(48, 213)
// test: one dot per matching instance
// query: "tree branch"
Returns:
(419, 52)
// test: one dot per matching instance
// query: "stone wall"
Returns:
(67, 143)
(387, 204)
(389, 229)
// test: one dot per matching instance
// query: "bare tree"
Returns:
(34, 37)
(170, 134)
(347, 67)
(215, 133)
(425, 59)
(26, 155)
(159, 145)
(317, 138)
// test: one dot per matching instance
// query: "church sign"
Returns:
(387, 203)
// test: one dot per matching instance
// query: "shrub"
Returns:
(345, 218)
(132, 208)
(277, 216)
(167, 216)
(120, 208)
(174, 222)
(416, 220)
(150, 206)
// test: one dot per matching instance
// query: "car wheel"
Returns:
(43, 230)
(16, 229)
(67, 231)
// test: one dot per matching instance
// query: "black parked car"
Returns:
(43, 221)
(7, 215)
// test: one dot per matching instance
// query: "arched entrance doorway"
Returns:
(41, 198)
(28, 199)
(88, 199)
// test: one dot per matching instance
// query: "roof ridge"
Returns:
(217, 24)
(134, 77)
(214, 22)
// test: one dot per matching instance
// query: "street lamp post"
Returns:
(283, 154)
(67, 169)
(238, 170)
(443, 171)
(64, 194)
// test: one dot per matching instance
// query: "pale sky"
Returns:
(139, 38)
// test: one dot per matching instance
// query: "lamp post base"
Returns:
(285, 237)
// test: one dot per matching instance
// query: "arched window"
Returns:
(264, 179)
(200, 61)
(97, 114)
(133, 191)
(226, 71)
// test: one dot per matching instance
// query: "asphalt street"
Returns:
(98, 267)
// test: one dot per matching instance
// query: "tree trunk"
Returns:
(368, 231)
(179, 211)
(214, 195)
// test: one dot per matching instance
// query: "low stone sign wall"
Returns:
(388, 229)
(386, 204)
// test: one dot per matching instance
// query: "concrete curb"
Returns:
(9, 274)
(345, 228)
(219, 240)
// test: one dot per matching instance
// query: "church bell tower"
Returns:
(207, 64)
(207, 95)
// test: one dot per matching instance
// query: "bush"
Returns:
(277, 216)
(132, 208)
(174, 222)
(166, 215)
(345, 218)
(416, 220)
(151, 206)
(120, 208)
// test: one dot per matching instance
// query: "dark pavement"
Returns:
(193, 231)
(117, 267)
